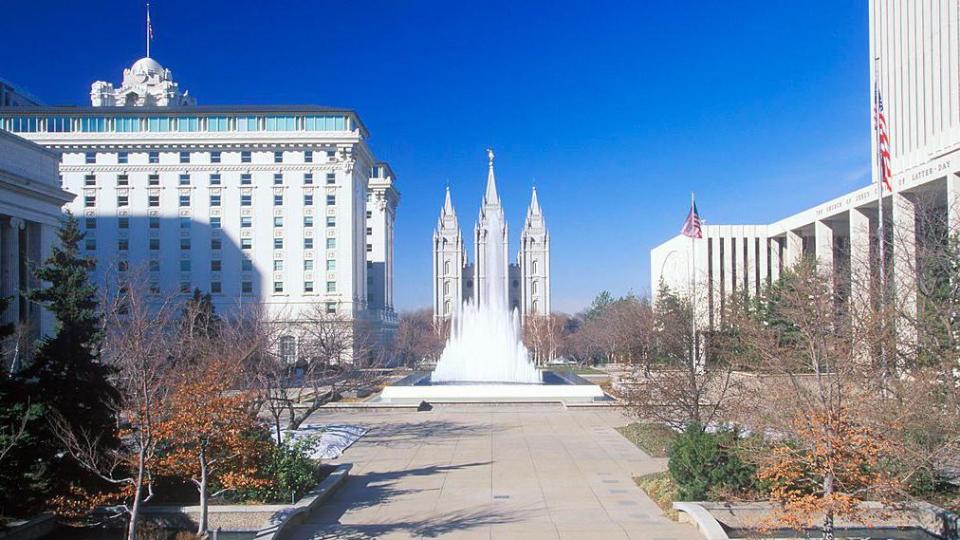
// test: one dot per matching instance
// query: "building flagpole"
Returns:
(881, 239)
(693, 290)
(148, 30)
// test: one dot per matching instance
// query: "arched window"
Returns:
(446, 268)
(288, 349)
(533, 287)
(533, 266)
(446, 307)
(536, 307)
(446, 288)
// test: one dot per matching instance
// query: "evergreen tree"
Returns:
(66, 374)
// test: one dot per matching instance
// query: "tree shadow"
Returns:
(435, 430)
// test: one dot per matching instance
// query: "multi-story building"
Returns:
(285, 206)
(455, 279)
(914, 64)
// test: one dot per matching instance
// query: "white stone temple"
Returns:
(456, 279)
(920, 85)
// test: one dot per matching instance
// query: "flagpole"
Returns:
(693, 289)
(881, 240)
(148, 30)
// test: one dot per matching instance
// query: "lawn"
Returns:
(661, 488)
(654, 439)
(575, 369)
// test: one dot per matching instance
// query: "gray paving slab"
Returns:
(498, 472)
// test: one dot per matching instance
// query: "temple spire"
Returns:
(534, 204)
(491, 197)
(447, 203)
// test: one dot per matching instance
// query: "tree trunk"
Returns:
(828, 515)
(135, 507)
(202, 529)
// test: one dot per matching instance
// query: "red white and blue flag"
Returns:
(692, 226)
(883, 142)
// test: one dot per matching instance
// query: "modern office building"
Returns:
(915, 51)
(456, 279)
(285, 206)
(30, 202)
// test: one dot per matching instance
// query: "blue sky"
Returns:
(617, 110)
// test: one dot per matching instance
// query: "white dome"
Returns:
(147, 65)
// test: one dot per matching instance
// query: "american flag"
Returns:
(149, 26)
(883, 142)
(691, 227)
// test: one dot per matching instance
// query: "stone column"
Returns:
(727, 241)
(794, 250)
(763, 263)
(775, 259)
(860, 232)
(11, 267)
(750, 266)
(905, 265)
(738, 260)
(824, 249)
(953, 204)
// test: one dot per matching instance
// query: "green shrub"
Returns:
(292, 472)
(701, 463)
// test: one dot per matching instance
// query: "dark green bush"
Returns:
(702, 463)
(292, 472)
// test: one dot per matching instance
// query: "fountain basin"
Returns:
(563, 387)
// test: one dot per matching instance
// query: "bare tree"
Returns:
(417, 338)
(543, 336)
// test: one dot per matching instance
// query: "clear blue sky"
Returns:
(617, 110)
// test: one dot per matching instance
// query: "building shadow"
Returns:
(394, 433)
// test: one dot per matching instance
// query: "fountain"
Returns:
(484, 358)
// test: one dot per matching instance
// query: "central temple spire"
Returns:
(491, 197)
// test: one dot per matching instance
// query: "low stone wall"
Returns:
(281, 522)
(30, 529)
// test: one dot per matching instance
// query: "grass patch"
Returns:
(662, 489)
(654, 439)
(576, 370)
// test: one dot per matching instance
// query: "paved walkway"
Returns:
(492, 472)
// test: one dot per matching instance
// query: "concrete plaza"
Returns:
(492, 472)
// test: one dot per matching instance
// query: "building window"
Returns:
(154, 265)
(246, 243)
(154, 244)
(288, 349)
(215, 179)
(307, 199)
(331, 199)
(246, 265)
(308, 265)
(369, 231)
(215, 287)
(215, 157)
(185, 265)
(536, 306)
(245, 200)
(369, 248)
(278, 200)
(533, 287)
(331, 265)
(153, 200)
(216, 265)
(184, 243)
(308, 286)
(123, 200)
(216, 244)
(215, 222)
(246, 287)
(278, 243)
(331, 308)
(123, 223)
(277, 286)
(184, 200)
(331, 286)
(153, 157)
(123, 180)
(308, 243)
(90, 157)
(331, 243)
(248, 123)
(331, 178)
(369, 214)
(123, 244)
(278, 265)
(122, 158)
(331, 221)
(90, 201)
(89, 180)
(245, 179)
(90, 244)
(308, 179)
(215, 200)
(278, 157)
(153, 180)
(154, 222)
(533, 266)
(308, 156)
(446, 268)
(446, 288)
(308, 221)
(90, 223)
(184, 222)
(245, 156)
(277, 179)
(184, 157)
(246, 222)
(184, 287)
(184, 179)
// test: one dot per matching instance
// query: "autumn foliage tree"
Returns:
(211, 436)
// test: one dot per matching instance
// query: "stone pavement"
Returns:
(467, 472)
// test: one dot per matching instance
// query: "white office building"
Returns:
(280, 205)
(918, 46)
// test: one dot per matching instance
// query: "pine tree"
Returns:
(66, 375)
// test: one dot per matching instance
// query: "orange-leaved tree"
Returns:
(212, 435)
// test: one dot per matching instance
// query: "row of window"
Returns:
(90, 201)
(246, 287)
(246, 222)
(123, 244)
(246, 179)
(165, 123)
(216, 156)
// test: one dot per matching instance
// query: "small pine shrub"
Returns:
(701, 463)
